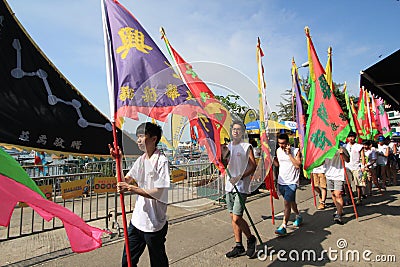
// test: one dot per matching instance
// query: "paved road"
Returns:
(203, 240)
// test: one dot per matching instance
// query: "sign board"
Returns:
(178, 175)
(74, 188)
(105, 185)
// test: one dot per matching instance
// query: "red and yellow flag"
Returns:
(213, 121)
(353, 112)
(266, 152)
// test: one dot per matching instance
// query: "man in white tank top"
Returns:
(240, 167)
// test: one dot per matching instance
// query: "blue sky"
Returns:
(361, 33)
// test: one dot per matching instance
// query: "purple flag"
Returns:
(300, 118)
(140, 78)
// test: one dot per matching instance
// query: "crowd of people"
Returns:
(370, 167)
(359, 168)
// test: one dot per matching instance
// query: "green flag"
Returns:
(326, 124)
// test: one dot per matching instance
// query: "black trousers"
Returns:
(155, 242)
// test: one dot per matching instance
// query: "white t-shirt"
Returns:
(288, 173)
(371, 155)
(391, 146)
(238, 164)
(149, 215)
(334, 168)
(355, 156)
(319, 169)
(381, 150)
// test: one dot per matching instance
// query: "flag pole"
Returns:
(271, 199)
(349, 187)
(313, 190)
(263, 135)
(294, 74)
(269, 178)
(121, 194)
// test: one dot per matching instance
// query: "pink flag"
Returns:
(382, 119)
(82, 236)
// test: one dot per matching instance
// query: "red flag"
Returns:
(326, 124)
(372, 114)
(356, 122)
(362, 115)
(211, 121)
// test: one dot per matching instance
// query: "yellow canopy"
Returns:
(272, 125)
(277, 125)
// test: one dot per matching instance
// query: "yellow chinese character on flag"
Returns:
(131, 38)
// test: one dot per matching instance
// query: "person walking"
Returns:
(149, 179)
(392, 160)
(319, 179)
(288, 160)
(353, 167)
(240, 168)
(369, 166)
(335, 180)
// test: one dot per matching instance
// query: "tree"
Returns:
(285, 111)
(230, 102)
(286, 108)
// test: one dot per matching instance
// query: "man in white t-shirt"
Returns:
(383, 153)
(392, 160)
(288, 159)
(334, 172)
(149, 179)
(241, 166)
(369, 166)
(353, 167)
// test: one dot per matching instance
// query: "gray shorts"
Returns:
(233, 203)
(334, 185)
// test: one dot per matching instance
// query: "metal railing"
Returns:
(199, 185)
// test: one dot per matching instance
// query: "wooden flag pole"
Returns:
(349, 187)
(121, 195)
(313, 191)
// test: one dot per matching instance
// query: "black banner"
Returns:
(39, 108)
